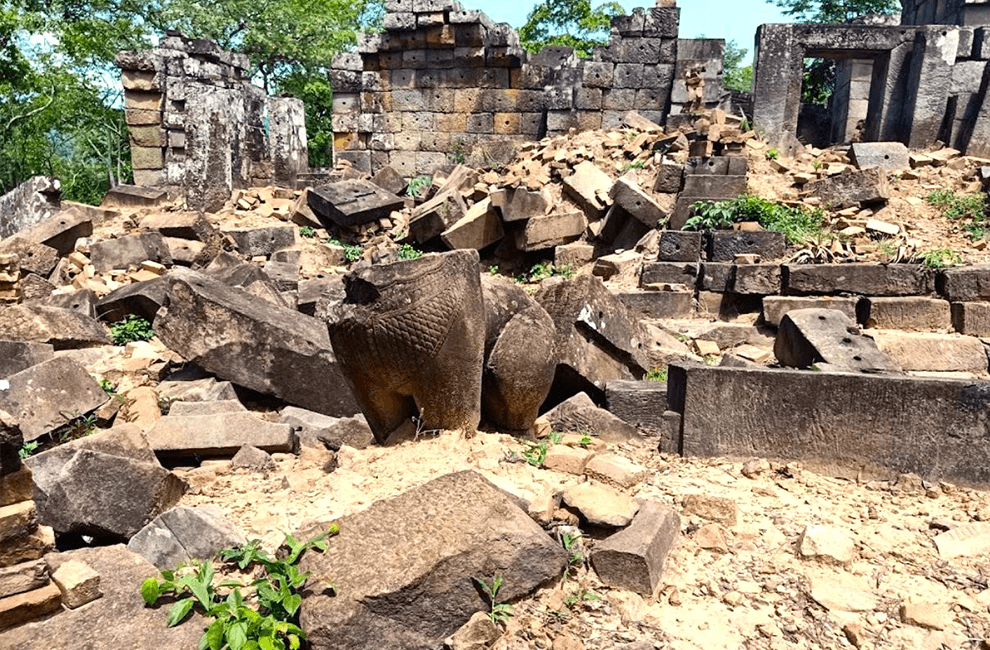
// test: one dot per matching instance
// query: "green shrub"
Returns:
(798, 224)
(971, 208)
(408, 252)
(351, 253)
(307, 231)
(131, 329)
(544, 270)
(772, 154)
(417, 184)
(657, 374)
(942, 258)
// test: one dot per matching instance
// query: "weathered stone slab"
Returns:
(31, 256)
(61, 231)
(756, 279)
(185, 533)
(580, 415)
(217, 434)
(627, 194)
(548, 231)
(133, 196)
(129, 251)
(487, 535)
(851, 187)
(478, 228)
(16, 356)
(32, 546)
(353, 202)
(811, 336)
(659, 304)
(971, 318)
(669, 273)
(910, 313)
(436, 215)
(31, 202)
(48, 395)
(775, 307)
(19, 609)
(633, 558)
(681, 246)
(23, 577)
(252, 242)
(885, 155)
(254, 343)
(934, 352)
(62, 328)
(724, 245)
(965, 284)
(639, 403)
(519, 204)
(848, 424)
(863, 278)
(589, 187)
(181, 225)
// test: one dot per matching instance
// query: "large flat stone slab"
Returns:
(16, 356)
(428, 545)
(353, 202)
(846, 424)
(251, 342)
(860, 278)
(62, 328)
(217, 434)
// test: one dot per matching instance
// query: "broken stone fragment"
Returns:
(589, 187)
(601, 505)
(355, 202)
(23, 577)
(184, 533)
(718, 509)
(615, 470)
(29, 203)
(251, 458)
(217, 434)
(129, 251)
(580, 414)
(827, 544)
(63, 328)
(566, 459)
(633, 558)
(812, 336)
(78, 582)
(15, 610)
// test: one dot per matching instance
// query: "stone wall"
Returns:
(200, 128)
(443, 84)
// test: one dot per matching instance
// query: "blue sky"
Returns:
(728, 19)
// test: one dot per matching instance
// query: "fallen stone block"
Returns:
(16, 356)
(23, 577)
(489, 534)
(62, 328)
(670, 178)
(852, 187)
(579, 414)
(934, 352)
(659, 304)
(17, 520)
(15, 486)
(182, 534)
(255, 344)
(717, 276)
(195, 389)
(186, 252)
(108, 486)
(669, 273)
(82, 302)
(575, 254)
(22, 608)
(217, 434)
(727, 306)
(123, 618)
(615, 470)
(718, 509)
(681, 246)
(866, 279)
(714, 186)
(620, 268)
(253, 459)
(566, 459)
(756, 279)
(970, 318)
(848, 424)
(639, 403)
(253, 242)
(32, 257)
(968, 540)
(142, 299)
(627, 194)
(909, 313)
(49, 395)
(479, 228)
(589, 187)
(634, 558)
(353, 202)
(330, 432)
(551, 230)
(827, 544)
(132, 250)
(598, 338)
(885, 155)
(601, 505)
(390, 180)
(33, 201)
(191, 226)
(520, 204)
(78, 583)
(725, 245)
(775, 307)
(314, 290)
(60, 231)
(436, 215)
(32, 546)
(811, 336)
(965, 284)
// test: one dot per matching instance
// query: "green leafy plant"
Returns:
(544, 270)
(307, 231)
(942, 258)
(572, 544)
(798, 224)
(585, 441)
(351, 253)
(111, 389)
(418, 184)
(130, 329)
(498, 612)
(493, 270)
(27, 449)
(268, 620)
(536, 452)
(887, 249)
(639, 164)
(578, 596)
(772, 154)
(817, 165)
(164, 403)
(408, 252)
(970, 208)
(656, 374)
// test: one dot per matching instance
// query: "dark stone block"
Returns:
(681, 246)
(724, 245)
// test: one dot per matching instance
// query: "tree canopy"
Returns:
(569, 23)
(734, 75)
(835, 11)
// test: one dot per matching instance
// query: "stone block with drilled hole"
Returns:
(681, 246)
(807, 337)
(775, 307)
(724, 245)
(685, 273)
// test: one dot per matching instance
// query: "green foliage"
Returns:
(458, 155)
(409, 252)
(633, 165)
(111, 389)
(772, 154)
(351, 253)
(572, 544)
(498, 612)
(835, 11)
(569, 23)
(656, 374)
(942, 258)
(544, 270)
(970, 208)
(27, 449)
(164, 403)
(797, 223)
(418, 184)
(307, 231)
(132, 328)
(734, 76)
(536, 452)
(493, 270)
(271, 623)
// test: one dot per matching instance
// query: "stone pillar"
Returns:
(287, 142)
(778, 74)
(930, 76)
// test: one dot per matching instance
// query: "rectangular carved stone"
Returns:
(681, 246)
(23, 577)
(965, 284)
(551, 230)
(865, 279)
(724, 245)
(972, 318)
(909, 313)
(660, 304)
(669, 273)
(633, 558)
(353, 203)
(774, 307)
(852, 425)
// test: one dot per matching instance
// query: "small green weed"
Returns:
(639, 164)
(111, 389)
(572, 544)
(544, 270)
(887, 249)
(408, 252)
(579, 596)
(498, 612)
(772, 154)
(307, 231)
(536, 454)
(493, 270)
(418, 184)
(132, 328)
(164, 404)
(351, 253)
(942, 258)
(971, 208)
(27, 449)
(239, 623)
(817, 165)
(798, 224)
(656, 374)
(585, 441)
